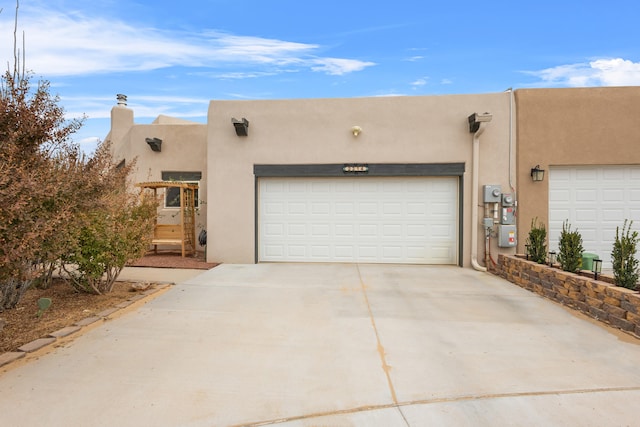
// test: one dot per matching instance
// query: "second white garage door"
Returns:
(595, 200)
(358, 219)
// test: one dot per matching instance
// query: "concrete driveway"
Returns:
(338, 345)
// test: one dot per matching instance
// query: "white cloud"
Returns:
(338, 66)
(144, 106)
(599, 72)
(76, 44)
(420, 82)
(238, 75)
(91, 142)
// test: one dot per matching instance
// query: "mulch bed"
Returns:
(165, 259)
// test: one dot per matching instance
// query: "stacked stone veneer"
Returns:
(617, 306)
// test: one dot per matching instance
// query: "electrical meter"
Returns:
(491, 194)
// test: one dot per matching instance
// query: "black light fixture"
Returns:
(242, 126)
(597, 267)
(552, 258)
(526, 251)
(154, 143)
(476, 119)
(537, 174)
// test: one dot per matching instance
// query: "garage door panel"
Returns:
(418, 209)
(345, 208)
(320, 230)
(616, 215)
(392, 253)
(274, 229)
(274, 250)
(392, 187)
(344, 230)
(395, 230)
(613, 174)
(586, 174)
(613, 195)
(274, 208)
(558, 194)
(392, 208)
(595, 200)
(586, 195)
(416, 231)
(368, 230)
(557, 216)
(395, 220)
(296, 230)
(296, 208)
(368, 208)
(584, 215)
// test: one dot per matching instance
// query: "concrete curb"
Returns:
(51, 338)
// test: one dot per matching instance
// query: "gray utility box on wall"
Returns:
(506, 236)
(491, 194)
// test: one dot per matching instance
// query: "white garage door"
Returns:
(363, 219)
(596, 200)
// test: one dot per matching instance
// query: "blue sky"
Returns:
(174, 57)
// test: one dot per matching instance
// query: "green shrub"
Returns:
(537, 242)
(106, 242)
(625, 264)
(570, 249)
(114, 227)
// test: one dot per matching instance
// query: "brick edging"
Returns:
(605, 302)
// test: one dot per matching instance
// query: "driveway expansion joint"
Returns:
(380, 348)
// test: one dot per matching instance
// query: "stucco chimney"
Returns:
(121, 121)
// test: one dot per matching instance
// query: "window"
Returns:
(172, 195)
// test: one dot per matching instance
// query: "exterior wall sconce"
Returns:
(597, 267)
(552, 258)
(476, 119)
(356, 130)
(154, 143)
(537, 174)
(242, 126)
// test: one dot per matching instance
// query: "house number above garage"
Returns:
(355, 168)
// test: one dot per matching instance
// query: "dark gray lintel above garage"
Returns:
(372, 169)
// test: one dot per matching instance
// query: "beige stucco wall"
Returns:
(184, 148)
(426, 129)
(564, 127)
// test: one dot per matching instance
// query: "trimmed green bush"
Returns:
(625, 263)
(570, 249)
(537, 242)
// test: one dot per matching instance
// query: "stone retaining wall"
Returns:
(617, 306)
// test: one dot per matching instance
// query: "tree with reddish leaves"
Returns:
(36, 160)
(56, 204)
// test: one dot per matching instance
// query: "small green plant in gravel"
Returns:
(537, 242)
(625, 263)
(570, 249)
(43, 305)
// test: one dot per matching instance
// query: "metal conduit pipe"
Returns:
(477, 124)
